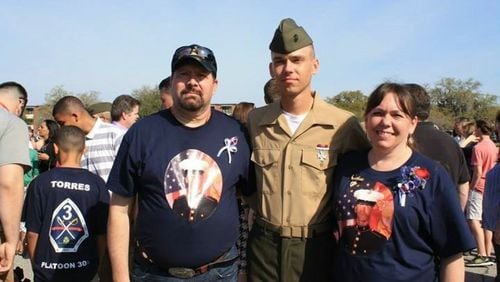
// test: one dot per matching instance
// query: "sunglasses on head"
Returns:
(194, 50)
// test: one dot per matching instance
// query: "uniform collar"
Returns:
(319, 113)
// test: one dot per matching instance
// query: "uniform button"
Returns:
(290, 167)
(353, 252)
(287, 219)
(289, 192)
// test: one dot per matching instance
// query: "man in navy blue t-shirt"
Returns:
(184, 163)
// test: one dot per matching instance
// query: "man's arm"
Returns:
(118, 236)
(476, 175)
(452, 268)
(11, 202)
(32, 239)
(463, 194)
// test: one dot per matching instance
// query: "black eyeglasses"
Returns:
(194, 50)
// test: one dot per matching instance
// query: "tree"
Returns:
(461, 98)
(88, 98)
(55, 94)
(353, 101)
(149, 98)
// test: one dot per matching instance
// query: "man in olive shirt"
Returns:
(296, 142)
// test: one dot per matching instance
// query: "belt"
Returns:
(185, 272)
(309, 231)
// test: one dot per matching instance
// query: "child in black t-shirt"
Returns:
(66, 215)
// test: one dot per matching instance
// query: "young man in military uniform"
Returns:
(296, 143)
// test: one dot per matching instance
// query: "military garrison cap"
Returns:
(289, 37)
(100, 107)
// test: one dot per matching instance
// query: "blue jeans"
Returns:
(152, 273)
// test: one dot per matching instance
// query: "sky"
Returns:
(114, 47)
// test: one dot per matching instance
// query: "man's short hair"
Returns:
(123, 104)
(422, 100)
(484, 127)
(164, 84)
(14, 85)
(67, 103)
(21, 91)
(70, 139)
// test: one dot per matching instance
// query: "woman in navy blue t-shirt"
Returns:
(397, 211)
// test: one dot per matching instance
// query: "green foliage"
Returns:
(56, 93)
(442, 119)
(450, 98)
(149, 98)
(90, 97)
(353, 101)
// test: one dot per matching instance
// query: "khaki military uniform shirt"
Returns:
(294, 171)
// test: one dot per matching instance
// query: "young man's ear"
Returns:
(271, 70)
(56, 149)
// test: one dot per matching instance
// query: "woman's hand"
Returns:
(471, 139)
(43, 156)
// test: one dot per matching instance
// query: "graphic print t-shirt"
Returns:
(186, 179)
(383, 239)
(68, 208)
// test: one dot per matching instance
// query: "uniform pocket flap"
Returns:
(265, 157)
(320, 159)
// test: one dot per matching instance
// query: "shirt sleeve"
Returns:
(125, 169)
(476, 157)
(33, 208)
(247, 182)
(352, 136)
(463, 174)
(14, 143)
(491, 199)
(102, 209)
(449, 231)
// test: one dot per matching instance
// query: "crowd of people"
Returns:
(297, 190)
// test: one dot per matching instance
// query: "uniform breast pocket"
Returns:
(267, 168)
(316, 170)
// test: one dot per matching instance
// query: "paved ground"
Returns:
(473, 274)
(480, 274)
